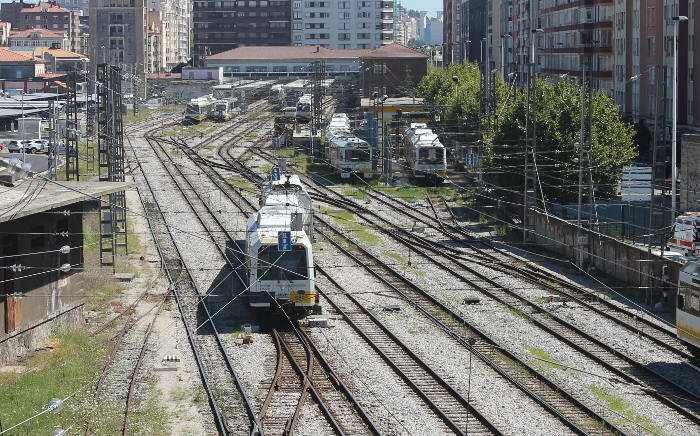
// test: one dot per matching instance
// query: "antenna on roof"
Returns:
(318, 48)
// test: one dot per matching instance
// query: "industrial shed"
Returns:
(41, 287)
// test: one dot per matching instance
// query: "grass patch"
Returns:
(353, 192)
(359, 231)
(243, 185)
(623, 408)
(71, 366)
(141, 115)
(411, 193)
(285, 152)
(541, 354)
(201, 129)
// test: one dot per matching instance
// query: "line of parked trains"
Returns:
(349, 155)
(226, 100)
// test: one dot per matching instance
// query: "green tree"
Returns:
(557, 106)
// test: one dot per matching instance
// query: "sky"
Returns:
(423, 5)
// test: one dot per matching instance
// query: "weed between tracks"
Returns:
(404, 264)
(347, 220)
(623, 408)
(543, 358)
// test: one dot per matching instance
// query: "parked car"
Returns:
(28, 146)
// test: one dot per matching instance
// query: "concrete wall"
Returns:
(690, 172)
(38, 291)
(626, 263)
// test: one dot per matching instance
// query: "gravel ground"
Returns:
(510, 329)
(449, 359)
(394, 407)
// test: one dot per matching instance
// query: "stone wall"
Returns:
(629, 264)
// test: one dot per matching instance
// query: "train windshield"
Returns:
(193, 108)
(282, 265)
(357, 155)
(304, 107)
(431, 155)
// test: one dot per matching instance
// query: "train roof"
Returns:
(427, 140)
(348, 141)
(256, 85)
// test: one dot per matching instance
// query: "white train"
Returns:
(347, 153)
(303, 108)
(199, 109)
(284, 278)
(688, 307)
(425, 154)
(224, 109)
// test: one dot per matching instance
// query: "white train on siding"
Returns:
(199, 109)
(425, 154)
(282, 278)
(347, 153)
(303, 109)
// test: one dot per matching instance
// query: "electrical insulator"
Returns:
(65, 212)
(64, 249)
(54, 404)
(16, 294)
(16, 267)
(63, 234)
(65, 267)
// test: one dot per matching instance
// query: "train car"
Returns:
(425, 154)
(688, 307)
(686, 234)
(280, 278)
(289, 185)
(303, 109)
(199, 109)
(350, 155)
(224, 109)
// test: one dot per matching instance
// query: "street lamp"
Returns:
(674, 117)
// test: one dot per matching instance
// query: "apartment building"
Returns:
(344, 24)
(577, 37)
(43, 15)
(118, 33)
(168, 33)
(224, 25)
(451, 32)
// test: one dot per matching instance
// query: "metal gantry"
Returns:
(72, 130)
(110, 147)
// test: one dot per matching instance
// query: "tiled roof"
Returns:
(43, 33)
(50, 7)
(285, 53)
(14, 56)
(261, 53)
(395, 50)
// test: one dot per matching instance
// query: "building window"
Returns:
(279, 69)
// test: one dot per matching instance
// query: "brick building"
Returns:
(43, 15)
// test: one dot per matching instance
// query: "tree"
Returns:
(557, 107)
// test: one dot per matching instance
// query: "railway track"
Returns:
(228, 400)
(628, 369)
(542, 390)
(439, 395)
(334, 399)
(495, 258)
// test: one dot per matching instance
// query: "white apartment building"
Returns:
(344, 24)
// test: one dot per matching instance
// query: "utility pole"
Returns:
(674, 118)
(52, 141)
